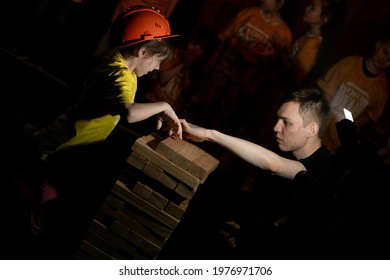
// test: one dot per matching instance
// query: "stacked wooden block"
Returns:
(146, 204)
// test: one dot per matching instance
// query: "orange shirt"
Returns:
(303, 55)
(249, 30)
(346, 86)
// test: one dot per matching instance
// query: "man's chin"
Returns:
(283, 148)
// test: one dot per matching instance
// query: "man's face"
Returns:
(290, 133)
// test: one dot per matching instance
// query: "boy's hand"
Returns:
(170, 117)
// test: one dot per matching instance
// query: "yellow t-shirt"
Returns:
(91, 131)
(98, 110)
(97, 129)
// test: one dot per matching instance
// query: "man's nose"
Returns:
(277, 126)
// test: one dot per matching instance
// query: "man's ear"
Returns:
(313, 129)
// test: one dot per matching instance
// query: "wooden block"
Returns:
(115, 202)
(149, 248)
(158, 174)
(184, 156)
(169, 146)
(136, 160)
(160, 231)
(101, 230)
(110, 249)
(168, 181)
(134, 238)
(184, 191)
(81, 255)
(116, 240)
(94, 251)
(188, 157)
(123, 244)
(175, 210)
(202, 166)
(105, 248)
(97, 227)
(151, 140)
(119, 229)
(122, 191)
(123, 218)
(141, 147)
(92, 238)
(142, 190)
(152, 170)
(102, 217)
(158, 200)
(128, 220)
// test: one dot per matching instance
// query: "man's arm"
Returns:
(248, 151)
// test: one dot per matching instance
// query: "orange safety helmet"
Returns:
(139, 24)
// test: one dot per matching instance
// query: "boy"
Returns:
(139, 44)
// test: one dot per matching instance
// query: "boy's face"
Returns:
(290, 133)
(148, 64)
(381, 55)
(313, 13)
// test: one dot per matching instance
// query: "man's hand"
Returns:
(193, 132)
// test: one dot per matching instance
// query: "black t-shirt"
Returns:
(304, 200)
(312, 190)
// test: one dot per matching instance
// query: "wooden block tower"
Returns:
(148, 201)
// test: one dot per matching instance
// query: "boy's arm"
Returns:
(140, 111)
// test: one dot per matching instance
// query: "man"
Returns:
(303, 118)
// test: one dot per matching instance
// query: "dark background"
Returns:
(46, 47)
